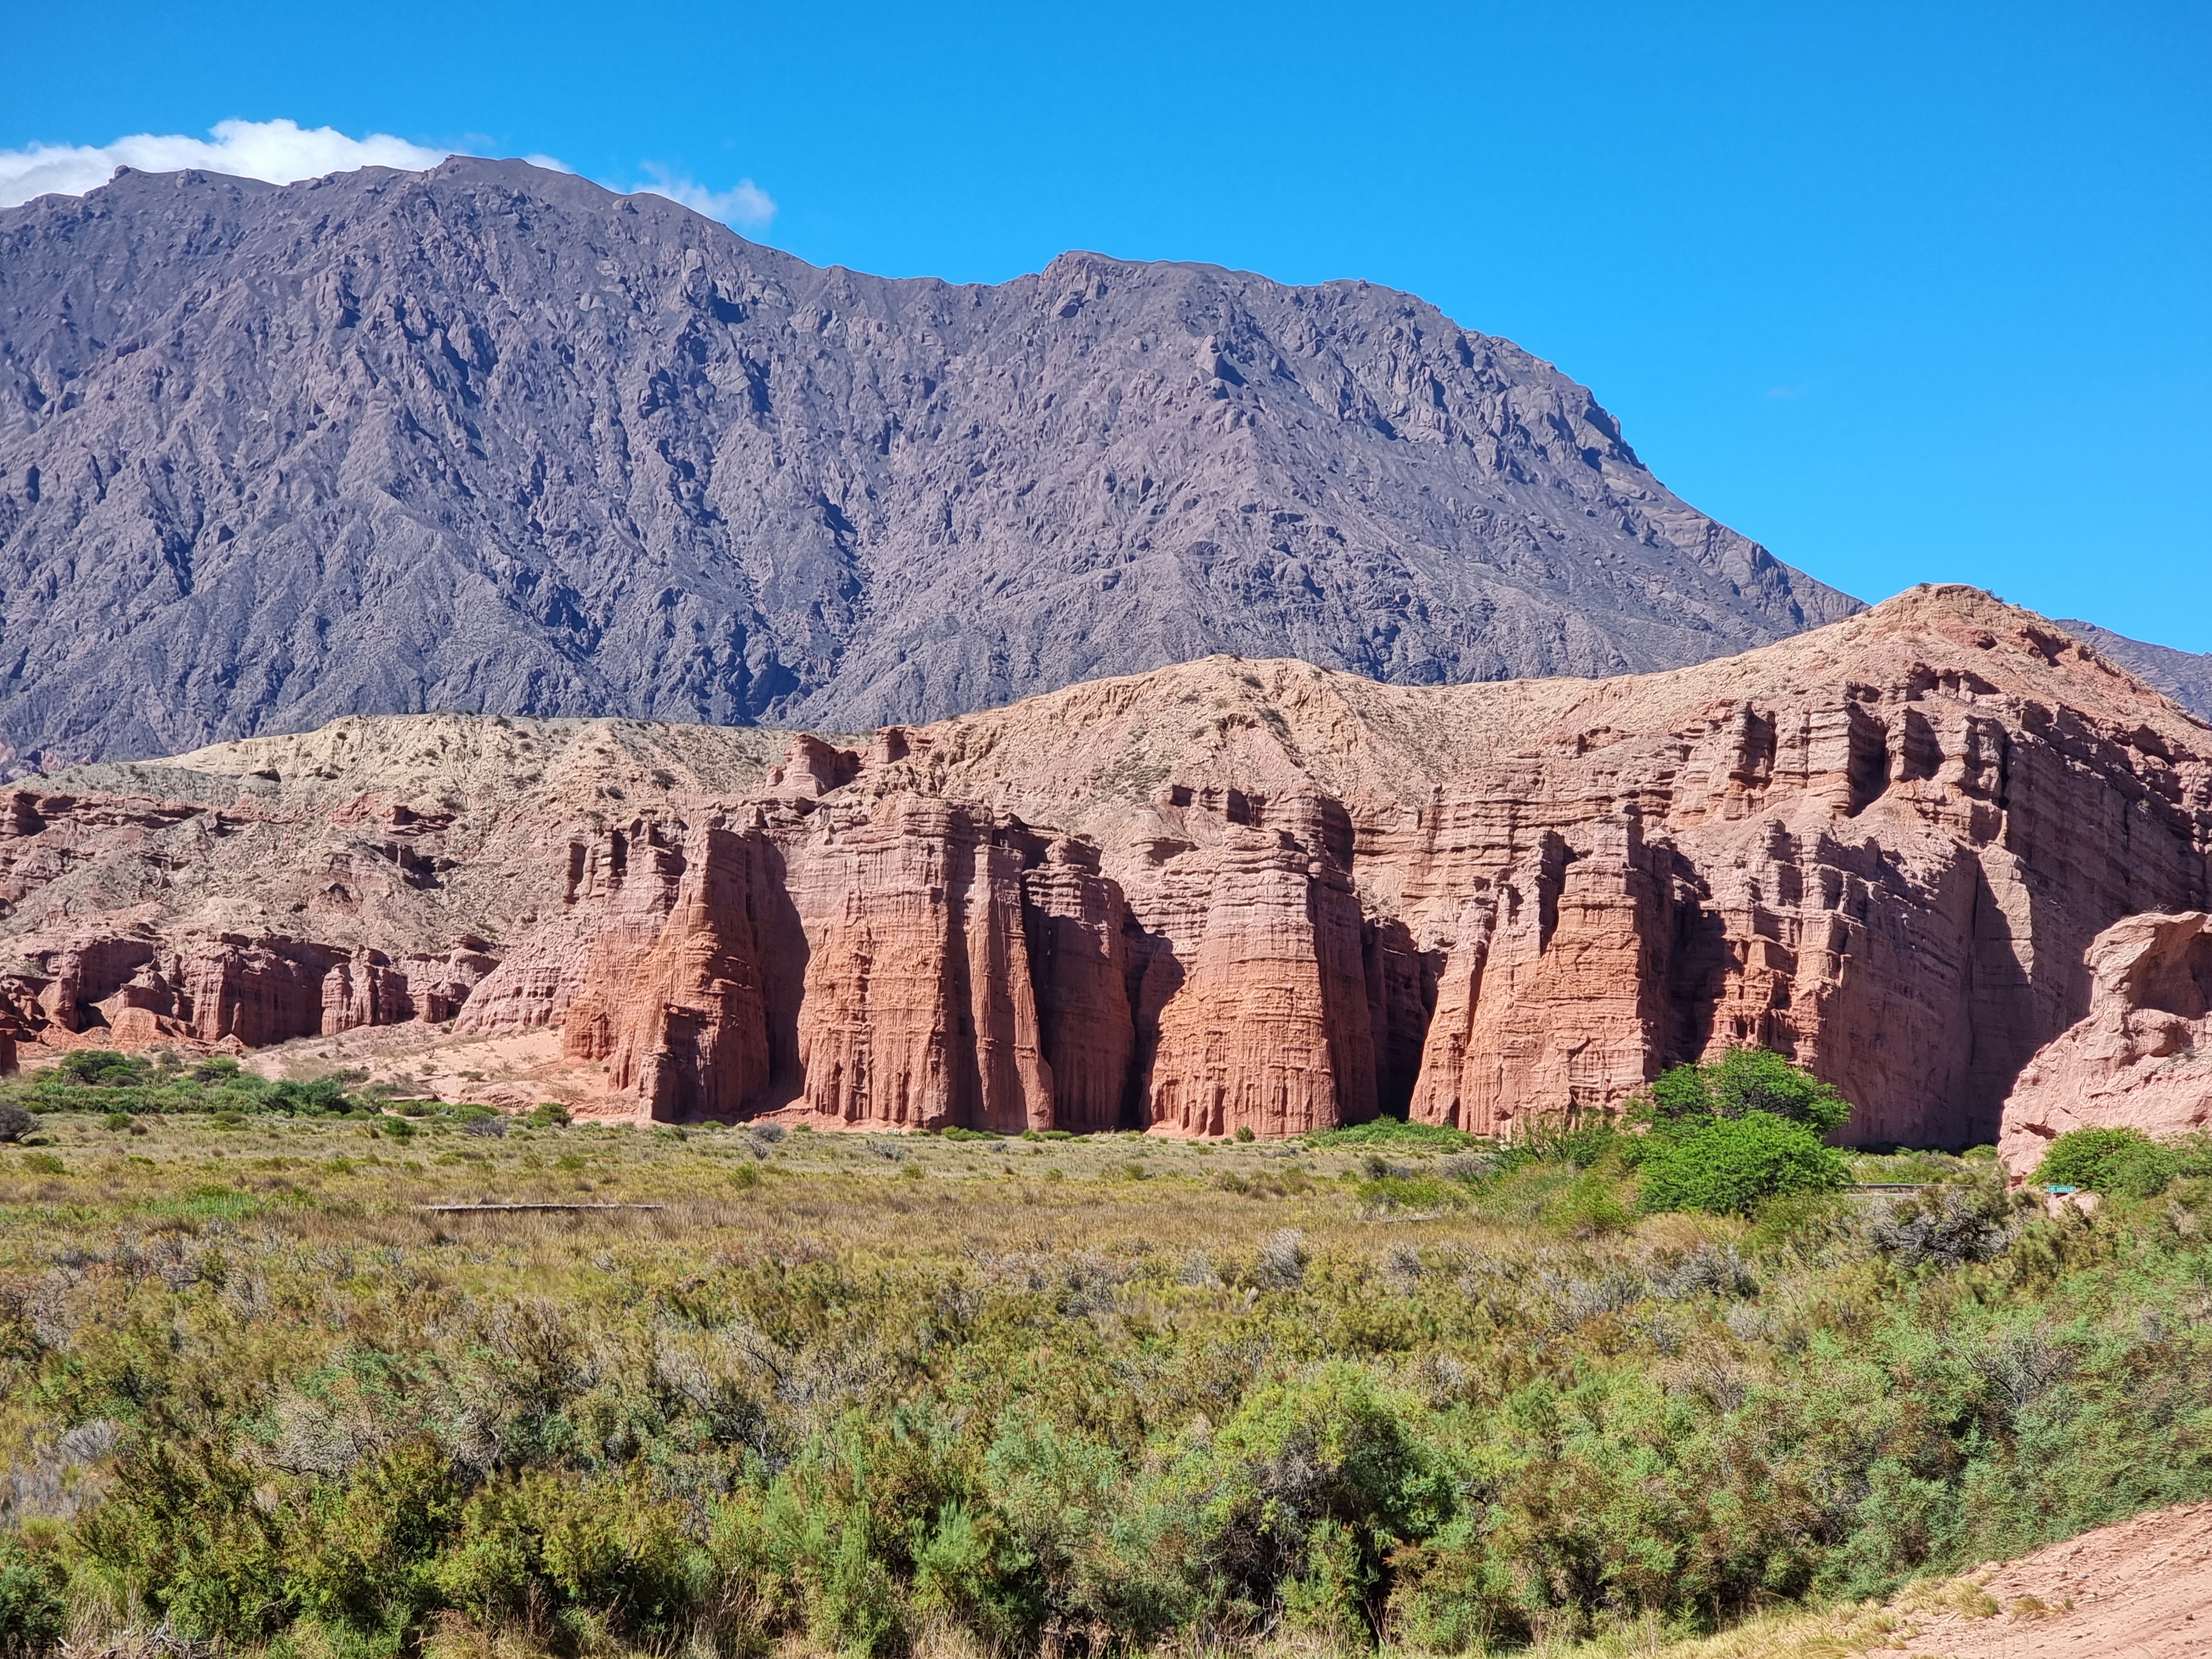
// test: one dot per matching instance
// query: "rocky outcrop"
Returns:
(366, 987)
(919, 1008)
(1269, 897)
(1076, 923)
(234, 991)
(698, 1028)
(1269, 1028)
(2141, 1058)
(1555, 995)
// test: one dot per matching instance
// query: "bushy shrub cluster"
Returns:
(1463, 1441)
(1727, 1136)
(121, 1086)
(2123, 1161)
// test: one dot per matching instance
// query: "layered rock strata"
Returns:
(2141, 1058)
(1229, 895)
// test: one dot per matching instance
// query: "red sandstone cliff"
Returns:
(1269, 897)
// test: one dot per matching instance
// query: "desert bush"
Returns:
(1741, 1082)
(1392, 1131)
(831, 1409)
(1730, 1166)
(1948, 1223)
(542, 1544)
(16, 1121)
(2122, 1161)
(34, 1598)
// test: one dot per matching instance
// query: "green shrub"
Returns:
(1391, 1132)
(1949, 1222)
(184, 1532)
(1297, 1501)
(1732, 1165)
(1244, 1132)
(103, 1068)
(367, 1551)
(613, 1547)
(34, 1598)
(1591, 1207)
(2122, 1162)
(1579, 1143)
(956, 1133)
(313, 1098)
(548, 1115)
(1740, 1082)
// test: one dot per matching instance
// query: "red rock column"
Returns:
(1559, 1004)
(918, 1010)
(690, 1035)
(1269, 1029)
(640, 875)
(1079, 957)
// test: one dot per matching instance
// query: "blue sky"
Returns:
(1907, 292)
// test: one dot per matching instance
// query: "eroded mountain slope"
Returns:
(491, 437)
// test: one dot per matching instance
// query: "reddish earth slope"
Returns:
(1227, 894)
(2141, 1590)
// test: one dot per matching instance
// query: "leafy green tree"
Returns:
(1730, 1166)
(1740, 1082)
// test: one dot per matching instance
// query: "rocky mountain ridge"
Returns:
(1230, 893)
(2184, 676)
(489, 438)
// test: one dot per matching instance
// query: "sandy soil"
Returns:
(514, 1070)
(2141, 1590)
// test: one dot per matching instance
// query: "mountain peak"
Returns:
(492, 438)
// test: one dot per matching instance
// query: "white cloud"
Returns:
(283, 152)
(746, 204)
(280, 151)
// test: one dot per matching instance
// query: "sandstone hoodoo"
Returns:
(1229, 894)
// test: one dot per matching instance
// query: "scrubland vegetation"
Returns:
(865, 1394)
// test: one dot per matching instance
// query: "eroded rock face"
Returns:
(2141, 1058)
(1270, 1028)
(1226, 894)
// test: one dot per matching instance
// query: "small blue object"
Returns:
(2062, 1192)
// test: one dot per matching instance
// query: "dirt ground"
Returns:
(514, 1071)
(2141, 1590)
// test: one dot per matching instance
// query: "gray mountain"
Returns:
(2182, 674)
(492, 438)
